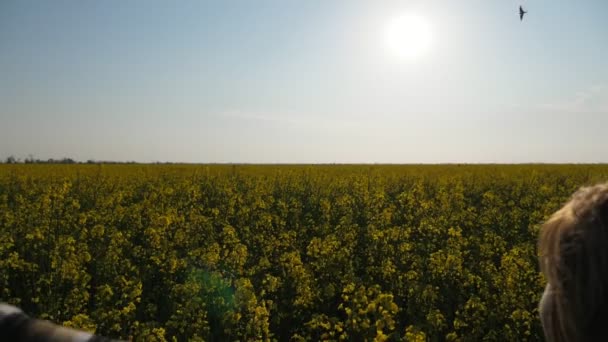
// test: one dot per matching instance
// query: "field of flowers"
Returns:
(293, 252)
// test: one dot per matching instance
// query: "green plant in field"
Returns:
(263, 253)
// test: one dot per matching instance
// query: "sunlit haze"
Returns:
(408, 36)
(346, 81)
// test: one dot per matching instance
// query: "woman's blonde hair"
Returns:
(573, 255)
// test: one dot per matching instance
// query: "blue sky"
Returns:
(303, 81)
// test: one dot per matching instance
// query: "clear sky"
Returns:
(310, 81)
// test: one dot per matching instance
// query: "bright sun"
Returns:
(408, 36)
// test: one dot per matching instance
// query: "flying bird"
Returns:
(521, 13)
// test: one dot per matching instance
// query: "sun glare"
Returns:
(408, 36)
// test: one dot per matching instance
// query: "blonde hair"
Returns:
(573, 255)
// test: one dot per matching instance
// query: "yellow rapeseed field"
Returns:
(285, 252)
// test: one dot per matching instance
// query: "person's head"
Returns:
(573, 252)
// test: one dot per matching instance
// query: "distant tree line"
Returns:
(31, 160)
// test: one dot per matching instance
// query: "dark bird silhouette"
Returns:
(521, 13)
